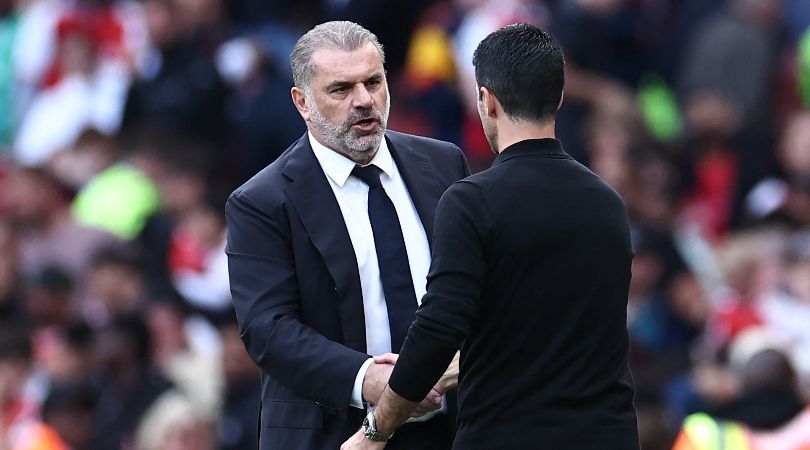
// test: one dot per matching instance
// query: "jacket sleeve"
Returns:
(453, 299)
(266, 298)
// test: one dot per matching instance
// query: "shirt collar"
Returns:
(531, 147)
(338, 167)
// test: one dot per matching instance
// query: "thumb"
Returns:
(434, 397)
(386, 358)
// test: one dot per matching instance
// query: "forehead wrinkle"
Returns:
(357, 66)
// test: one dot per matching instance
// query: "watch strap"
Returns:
(370, 429)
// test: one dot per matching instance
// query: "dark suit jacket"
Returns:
(296, 286)
(531, 265)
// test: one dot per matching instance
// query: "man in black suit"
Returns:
(530, 270)
(328, 249)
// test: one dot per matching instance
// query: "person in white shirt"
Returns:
(329, 249)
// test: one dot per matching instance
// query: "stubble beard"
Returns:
(490, 130)
(491, 133)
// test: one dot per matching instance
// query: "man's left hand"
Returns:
(359, 442)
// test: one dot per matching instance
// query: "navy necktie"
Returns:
(392, 257)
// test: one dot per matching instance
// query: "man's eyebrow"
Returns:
(375, 77)
(340, 83)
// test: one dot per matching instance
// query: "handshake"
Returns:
(374, 388)
(380, 371)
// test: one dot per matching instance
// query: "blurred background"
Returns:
(125, 124)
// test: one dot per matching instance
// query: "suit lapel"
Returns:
(320, 214)
(417, 173)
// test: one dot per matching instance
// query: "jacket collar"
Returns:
(315, 204)
(532, 147)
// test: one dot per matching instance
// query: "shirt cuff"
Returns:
(357, 391)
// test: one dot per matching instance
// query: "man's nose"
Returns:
(362, 97)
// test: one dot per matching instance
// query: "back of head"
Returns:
(522, 66)
(768, 368)
(336, 35)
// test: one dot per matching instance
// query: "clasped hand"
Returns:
(374, 384)
(377, 378)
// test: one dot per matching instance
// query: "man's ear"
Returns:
(299, 99)
(490, 103)
(562, 96)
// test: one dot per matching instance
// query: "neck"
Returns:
(511, 132)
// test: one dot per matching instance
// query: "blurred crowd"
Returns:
(125, 124)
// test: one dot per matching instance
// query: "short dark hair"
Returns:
(522, 66)
(768, 368)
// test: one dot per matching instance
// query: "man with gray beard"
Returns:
(329, 249)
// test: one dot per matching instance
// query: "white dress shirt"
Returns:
(352, 197)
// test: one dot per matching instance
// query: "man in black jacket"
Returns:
(530, 271)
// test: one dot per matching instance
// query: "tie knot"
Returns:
(369, 174)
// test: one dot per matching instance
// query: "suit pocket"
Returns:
(299, 414)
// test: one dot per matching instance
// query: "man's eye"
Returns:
(341, 90)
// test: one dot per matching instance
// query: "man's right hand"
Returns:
(377, 378)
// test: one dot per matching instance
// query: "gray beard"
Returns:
(344, 140)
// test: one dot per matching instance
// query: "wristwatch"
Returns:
(370, 429)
